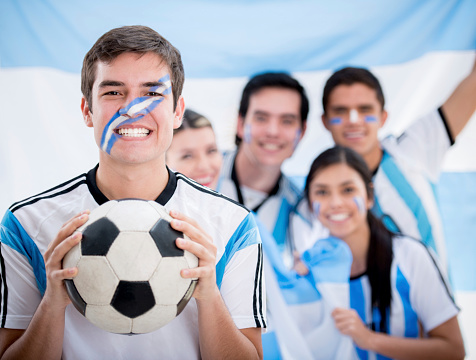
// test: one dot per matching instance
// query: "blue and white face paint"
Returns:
(316, 208)
(359, 201)
(134, 111)
(353, 116)
(335, 121)
(247, 133)
(297, 137)
(370, 119)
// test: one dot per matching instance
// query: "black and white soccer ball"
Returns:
(128, 279)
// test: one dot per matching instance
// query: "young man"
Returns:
(405, 168)
(271, 122)
(132, 80)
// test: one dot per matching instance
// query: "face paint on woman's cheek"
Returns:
(316, 208)
(134, 111)
(297, 137)
(359, 201)
(247, 133)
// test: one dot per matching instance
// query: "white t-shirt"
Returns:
(30, 225)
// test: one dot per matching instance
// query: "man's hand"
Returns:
(55, 274)
(202, 246)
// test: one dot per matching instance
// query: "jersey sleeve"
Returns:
(242, 286)
(430, 295)
(425, 143)
(20, 283)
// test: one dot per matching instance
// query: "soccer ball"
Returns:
(128, 279)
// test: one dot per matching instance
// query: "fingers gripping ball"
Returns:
(128, 278)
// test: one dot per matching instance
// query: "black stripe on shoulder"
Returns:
(48, 194)
(432, 257)
(207, 190)
(4, 295)
(445, 122)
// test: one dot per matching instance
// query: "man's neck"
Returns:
(373, 159)
(132, 181)
(254, 175)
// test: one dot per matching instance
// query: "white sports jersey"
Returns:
(419, 294)
(404, 188)
(405, 179)
(273, 211)
(30, 225)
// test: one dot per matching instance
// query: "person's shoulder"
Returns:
(205, 194)
(58, 194)
(290, 189)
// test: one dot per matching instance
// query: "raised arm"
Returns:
(461, 105)
(43, 339)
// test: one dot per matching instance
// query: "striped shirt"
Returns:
(30, 225)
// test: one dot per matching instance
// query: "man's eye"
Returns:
(153, 93)
(186, 156)
(112, 93)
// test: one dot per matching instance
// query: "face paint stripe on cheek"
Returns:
(316, 207)
(360, 204)
(297, 137)
(335, 121)
(370, 119)
(247, 133)
(134, 111)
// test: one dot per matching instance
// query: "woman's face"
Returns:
(194, 153)
(339, 200)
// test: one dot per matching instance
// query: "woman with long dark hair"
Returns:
(400, 304)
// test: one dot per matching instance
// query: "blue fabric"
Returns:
(13, 235)
(246, 234)
(410, 197)
(33, 33)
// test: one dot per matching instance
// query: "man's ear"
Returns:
(178, 113)
(304, 128)
(325, 122)
(87, 114)
(383, 118)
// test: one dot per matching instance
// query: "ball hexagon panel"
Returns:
(155, 318)
(72, 257)
(96, 281)
(133, 298)
(98, 213)
(133, 215)
(98, 237)
(108, 319)
(167, 284)
(164, 236)
(134, 256)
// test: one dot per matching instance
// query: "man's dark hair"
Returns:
(272, 80)
(350, 76)
(136, 39)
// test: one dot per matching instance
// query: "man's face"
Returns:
(354, 116)
(272, 127)
(132, 114)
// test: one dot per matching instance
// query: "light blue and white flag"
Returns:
(420, 50)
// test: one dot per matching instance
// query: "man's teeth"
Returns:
(271, 146)
(338, 217)
(136, 132)
(354, 135)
